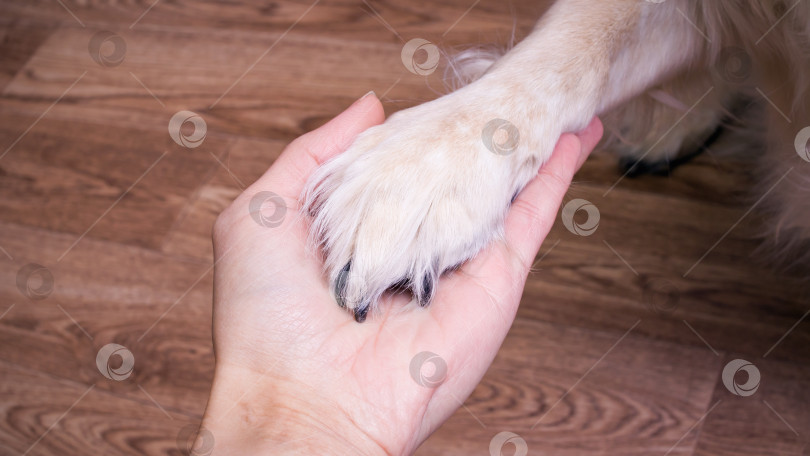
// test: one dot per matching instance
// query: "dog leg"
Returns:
(654, 131)
(430, 187)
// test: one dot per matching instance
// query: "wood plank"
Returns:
(775, 420)
(633, 401)
(72, 176)
(742, 308)
(244, 162)
(205, 72)
(159, 308)
(484, 20)
(19, 40)
(47, 416)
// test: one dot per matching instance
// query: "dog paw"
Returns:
(631, 166)
(415, 197)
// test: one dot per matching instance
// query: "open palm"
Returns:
(286, 353)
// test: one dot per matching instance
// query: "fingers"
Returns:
(534, 211)
(590, 137)
(489, 291)
(290, 171)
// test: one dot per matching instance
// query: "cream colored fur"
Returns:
(422, 193)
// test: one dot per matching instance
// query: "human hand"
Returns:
(296, 373)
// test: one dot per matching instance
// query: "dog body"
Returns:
(429, 188)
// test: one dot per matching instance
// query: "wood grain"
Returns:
(631, 401)
(615, 350)
(97, 422)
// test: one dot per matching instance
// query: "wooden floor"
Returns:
(615, 350)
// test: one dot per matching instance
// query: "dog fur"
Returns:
(422, 193)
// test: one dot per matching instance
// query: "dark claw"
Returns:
(427, 290)
(360, 313)
(340, 285)
(400, 286)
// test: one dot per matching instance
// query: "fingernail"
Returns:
(370, 92)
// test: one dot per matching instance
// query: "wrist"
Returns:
(252, 413)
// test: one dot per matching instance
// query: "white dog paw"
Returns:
(414, 197)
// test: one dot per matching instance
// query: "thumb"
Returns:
(300, 158)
